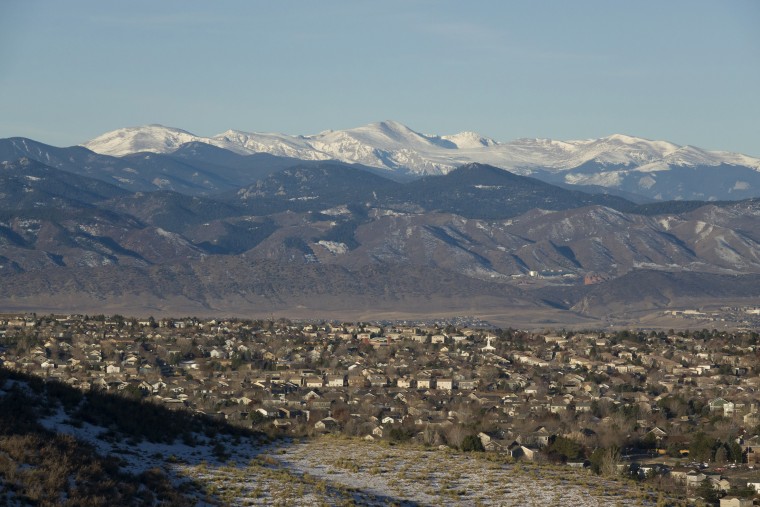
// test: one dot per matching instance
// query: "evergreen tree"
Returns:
(472, 443)
(721, 455)
(707, 492)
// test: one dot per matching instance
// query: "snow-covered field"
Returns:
(334, 471)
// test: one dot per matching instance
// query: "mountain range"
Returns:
(202, 229)
(658, 170)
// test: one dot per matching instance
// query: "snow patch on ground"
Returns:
(724, 250)
(161, 182)
(334, 470)
(700, 226)
(337, 211)
(647, 182)
(138, 457)
(334, 247)
(377, 212)
(607, 179)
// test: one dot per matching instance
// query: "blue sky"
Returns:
(684, 71)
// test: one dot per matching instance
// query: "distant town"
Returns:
(678, 409)
(735, 317)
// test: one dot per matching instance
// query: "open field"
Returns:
(337, 471)
(484, 308)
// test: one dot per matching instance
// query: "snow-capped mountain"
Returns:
(152, 138)
(618, 161)
(391, 145)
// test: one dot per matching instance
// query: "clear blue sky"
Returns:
(684, 71)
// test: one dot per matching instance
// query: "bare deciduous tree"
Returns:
(455, 436)
(610, 461)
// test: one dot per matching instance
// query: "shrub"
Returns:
(472, 443)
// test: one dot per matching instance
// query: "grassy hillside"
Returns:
(59, 446)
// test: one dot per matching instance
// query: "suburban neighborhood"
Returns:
(678, 409)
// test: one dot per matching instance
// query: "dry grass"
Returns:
(338, 471)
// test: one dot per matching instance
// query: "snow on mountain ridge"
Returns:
(394, 146)
(246, 143)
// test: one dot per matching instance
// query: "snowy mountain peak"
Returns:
(469, 140)
(386, 134)
(153, 138)
(229, 134)
(389, 126)
(625, 139)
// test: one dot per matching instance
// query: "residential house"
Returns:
(517, 451)
(540, 437)
(721, 405)
(656, 435)
(336, 380)
(694, 478)
(326, 424)
(289, 413)
(751, 449)
(391, 419)
(313, 381)
(492, 442)
(424, 382)
(377, 380)
(558, 405)
(269, 413)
